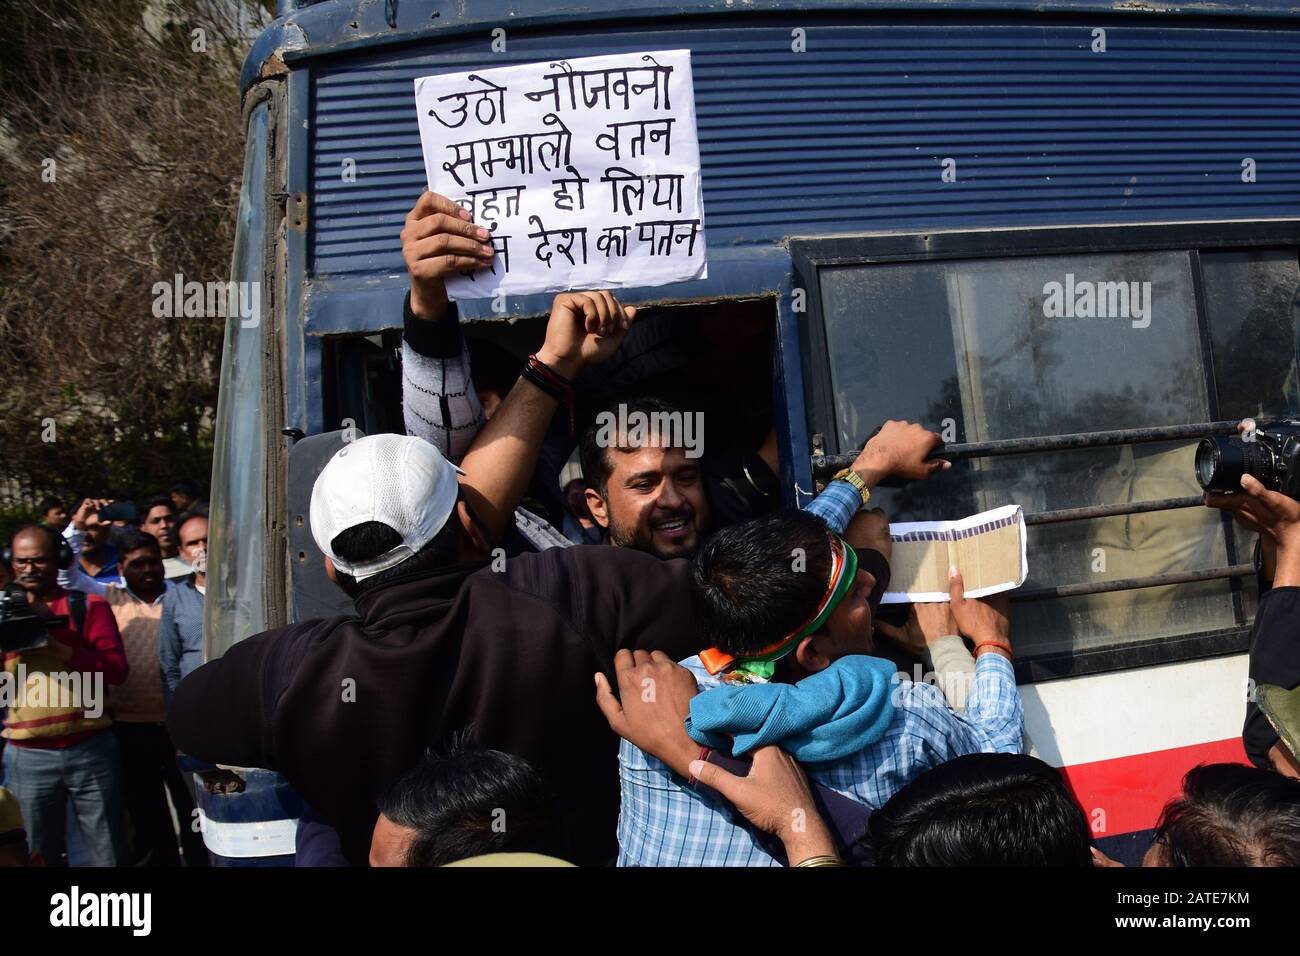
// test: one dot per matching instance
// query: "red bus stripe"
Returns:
(1126, 794)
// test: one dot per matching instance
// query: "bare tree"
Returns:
(124, 140)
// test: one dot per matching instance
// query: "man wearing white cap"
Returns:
(441, 641)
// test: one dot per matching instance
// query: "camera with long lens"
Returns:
(1271, 455)
(21, 628)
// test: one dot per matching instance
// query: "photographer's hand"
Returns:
(1275, 516)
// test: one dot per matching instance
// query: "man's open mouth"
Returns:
(673, 526)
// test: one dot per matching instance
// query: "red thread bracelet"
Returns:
(997, 644)
(557, 382)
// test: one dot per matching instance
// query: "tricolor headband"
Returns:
(761, 664)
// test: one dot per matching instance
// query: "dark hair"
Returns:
(155, 502)
(1232, 815)
(755, 582)
(594, 455)
(133, 540)
(370, 539)
(466, 803)
(986, 809)
(186, 487)
(48, 504)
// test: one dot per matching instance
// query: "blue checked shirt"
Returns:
(662, 822)
(836, 505)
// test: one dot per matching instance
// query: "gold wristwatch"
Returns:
(849, 475)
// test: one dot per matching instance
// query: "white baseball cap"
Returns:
(399, 480)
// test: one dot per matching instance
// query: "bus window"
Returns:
(1251, 298)
(715, 357)
(364, 387)
(1031, 345)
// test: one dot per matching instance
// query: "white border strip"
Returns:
(246, 840)
(1121, 714)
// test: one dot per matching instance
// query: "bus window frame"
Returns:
(810, 254)
(268, 339)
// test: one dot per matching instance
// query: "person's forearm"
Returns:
(814, 841)
(1267, 558)
(74, 579)
(953, 667)
(677, 754)
(993, 706)
(503, 457)
(215, 713)
(109, 661)
(76, 538)
(992, 641)
(429, 300)
(439, 402)
(1286, 570)
(838, 502)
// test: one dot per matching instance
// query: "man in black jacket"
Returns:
(441, 643)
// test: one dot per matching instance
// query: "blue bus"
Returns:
(1064, 235)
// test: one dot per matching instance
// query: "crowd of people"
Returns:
(588, 645)
(89, 762)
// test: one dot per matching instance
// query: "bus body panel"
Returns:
(1125, 739)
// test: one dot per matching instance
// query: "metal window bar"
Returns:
(1110, 511)
(1132, 584)
(826, 465)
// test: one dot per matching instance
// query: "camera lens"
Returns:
(1218, 465)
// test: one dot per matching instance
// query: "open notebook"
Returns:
(988, 549)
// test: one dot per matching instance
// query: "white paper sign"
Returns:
(586, 172)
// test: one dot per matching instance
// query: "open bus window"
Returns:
(1023, 346)
(712, 357)
(365, 384)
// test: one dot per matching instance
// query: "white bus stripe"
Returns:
(1123, 713)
